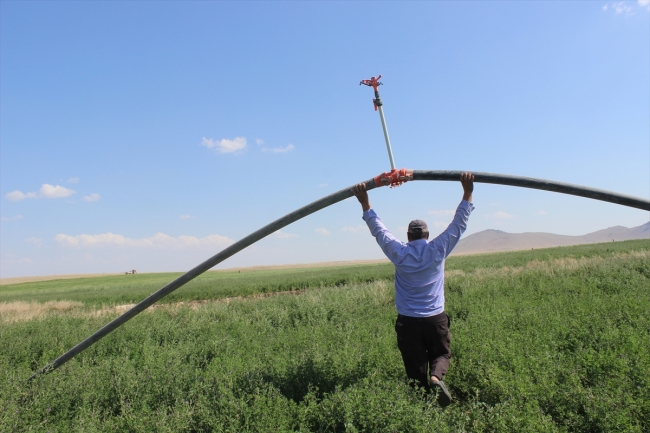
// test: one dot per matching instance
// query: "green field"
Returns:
(125, 289)
(543, 340)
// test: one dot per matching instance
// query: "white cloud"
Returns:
(542, 212)
(92, 197)
(445, 212)
(322, 185)
(13, 218)
(73, 180)
(286, 149)
(322, 231)
(283, 235)
(237, 145)
(186, 217)
(440, 224)
(500, 215)
(357, 229)
(51, 191)
(12, 259)
(19, 195)
(159, 240)
(46, 191)
(622, 7)
(259, 141)
(35, 241)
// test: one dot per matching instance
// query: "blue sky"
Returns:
(150, 135)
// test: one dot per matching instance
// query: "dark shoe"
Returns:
(444, 398)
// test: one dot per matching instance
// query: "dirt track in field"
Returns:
(21, 311)
(18, 280)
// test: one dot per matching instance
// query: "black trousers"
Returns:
(424, 343)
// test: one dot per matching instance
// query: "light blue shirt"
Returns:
(420, 264)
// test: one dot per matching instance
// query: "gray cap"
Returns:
(418, 226)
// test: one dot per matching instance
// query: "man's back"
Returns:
(419, 265)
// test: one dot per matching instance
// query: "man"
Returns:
(422, 325)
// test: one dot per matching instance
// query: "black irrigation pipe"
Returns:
(443, 175)
(543, 184)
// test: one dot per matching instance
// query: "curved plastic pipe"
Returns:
(500, 179)
(543, 184)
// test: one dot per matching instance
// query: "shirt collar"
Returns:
(418, 242)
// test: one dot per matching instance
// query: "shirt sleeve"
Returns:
(448, 239)
(387, 242)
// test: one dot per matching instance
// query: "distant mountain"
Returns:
(490, 241)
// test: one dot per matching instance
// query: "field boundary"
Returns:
(18, 280)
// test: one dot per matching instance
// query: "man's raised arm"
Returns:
(386, 241)
(448, 239)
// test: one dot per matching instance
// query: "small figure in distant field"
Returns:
(134, 272)
(422, 325)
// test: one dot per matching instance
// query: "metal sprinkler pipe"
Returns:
(439, 175)
(383, 125)
(374, 83)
